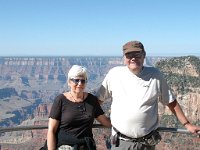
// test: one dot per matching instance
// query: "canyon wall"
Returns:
(29, 85)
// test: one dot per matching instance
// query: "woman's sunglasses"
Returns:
(76, 81)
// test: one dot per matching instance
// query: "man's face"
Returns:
(134, 60)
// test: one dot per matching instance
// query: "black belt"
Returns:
(150, 139)
(133, 139)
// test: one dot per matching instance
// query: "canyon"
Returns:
(30, 84)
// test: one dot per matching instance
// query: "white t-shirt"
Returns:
(134, 108)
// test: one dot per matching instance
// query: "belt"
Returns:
(150, 139)
(127, 138)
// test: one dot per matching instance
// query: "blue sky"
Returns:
(98, 27)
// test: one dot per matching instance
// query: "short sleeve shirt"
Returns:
(134, 108)
(76, 118)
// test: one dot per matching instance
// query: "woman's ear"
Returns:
(68, 82)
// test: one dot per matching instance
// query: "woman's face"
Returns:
(77, 84)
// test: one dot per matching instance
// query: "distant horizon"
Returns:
(150, 55)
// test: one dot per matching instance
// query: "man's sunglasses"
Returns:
(131, 55)
(76, 81)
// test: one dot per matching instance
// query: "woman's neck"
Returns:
(76, 97)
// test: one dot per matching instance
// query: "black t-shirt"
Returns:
(76, 118)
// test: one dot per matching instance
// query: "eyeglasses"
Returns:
(76, 81)
(131, 55)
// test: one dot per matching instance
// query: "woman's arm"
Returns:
(105, 121)
(51, 134)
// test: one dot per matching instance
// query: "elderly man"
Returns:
(135, 91)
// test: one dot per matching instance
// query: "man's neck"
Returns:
(137, 72)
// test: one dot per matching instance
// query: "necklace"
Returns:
(75, 100)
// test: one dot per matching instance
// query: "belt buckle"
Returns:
(128, 139)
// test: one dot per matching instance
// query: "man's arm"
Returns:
(177, 111)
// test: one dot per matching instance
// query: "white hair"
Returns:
(77, 71)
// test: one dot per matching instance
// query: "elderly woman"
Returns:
(72, 115)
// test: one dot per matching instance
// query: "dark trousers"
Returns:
(125, 145)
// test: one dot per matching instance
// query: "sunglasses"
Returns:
(76, 81)
(131, 55)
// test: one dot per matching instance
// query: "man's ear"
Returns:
(144, 54)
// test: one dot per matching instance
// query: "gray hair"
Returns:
(77, 71)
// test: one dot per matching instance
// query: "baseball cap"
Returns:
(133, 46)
